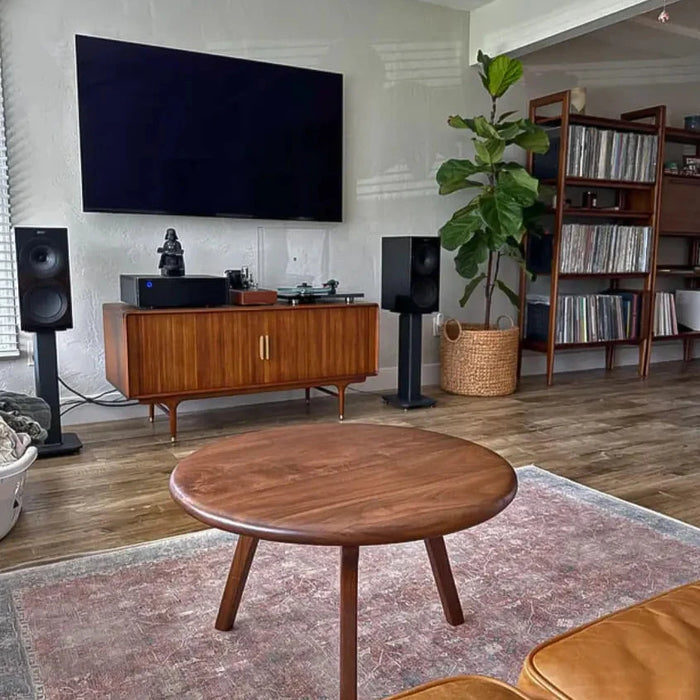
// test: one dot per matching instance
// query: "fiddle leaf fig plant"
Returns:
(491, 225)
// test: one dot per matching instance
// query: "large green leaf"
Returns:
(470, 255)
(502, 214)
(502, 72)
(470, 287)
(508, 130)
(458, 122)
(460, 229)
(484, 59)
(485, 129)
(505, 115)
(534, 138)
(518, 184)
(450, 187)
(456, 168)
(454, 174)
(485, 62)
(491, 150)
(512, 296)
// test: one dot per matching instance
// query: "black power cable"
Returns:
(97, 400)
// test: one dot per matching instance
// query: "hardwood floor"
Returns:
(638, 440)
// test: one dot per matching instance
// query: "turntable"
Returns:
(308, 294)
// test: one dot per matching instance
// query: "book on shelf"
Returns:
(586, 318)
(588, 248)
(665, 320)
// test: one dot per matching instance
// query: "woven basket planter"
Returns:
(479, 362)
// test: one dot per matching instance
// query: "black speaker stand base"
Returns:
(406, 403)
(70, 444)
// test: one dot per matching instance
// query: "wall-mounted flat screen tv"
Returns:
(165, 131)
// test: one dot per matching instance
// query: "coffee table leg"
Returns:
(442, 572)
(237, 576)
(348, 623)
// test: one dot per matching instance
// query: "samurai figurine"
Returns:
(172, 261)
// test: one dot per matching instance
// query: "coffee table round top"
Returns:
(343, 484)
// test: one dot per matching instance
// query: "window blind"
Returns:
(9, 341)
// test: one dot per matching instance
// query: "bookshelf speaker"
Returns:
(411, 288)
(43, 283)
(411, 274)
(43, 279)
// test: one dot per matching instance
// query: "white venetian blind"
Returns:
(9, 342)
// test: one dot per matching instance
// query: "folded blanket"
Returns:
(24, 424)
(12, 445)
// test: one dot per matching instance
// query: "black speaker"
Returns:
(43, 279)
(43, 283)
(411, 274)
(410, 287)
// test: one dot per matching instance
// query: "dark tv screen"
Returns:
(165, 131)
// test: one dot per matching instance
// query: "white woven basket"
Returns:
(12, 478)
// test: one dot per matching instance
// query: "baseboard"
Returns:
(386, 380)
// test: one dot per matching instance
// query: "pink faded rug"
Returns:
(138, 622)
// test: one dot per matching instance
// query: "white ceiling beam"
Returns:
(517, 27)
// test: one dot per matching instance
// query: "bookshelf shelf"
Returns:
(604, 213)
(541, 345)
(599, 122)
(676, 135)
(602, 275)
(677, 271)
(686, 335)
(571, 181)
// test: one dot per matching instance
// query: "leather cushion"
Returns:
(463, 688)
(649, 651)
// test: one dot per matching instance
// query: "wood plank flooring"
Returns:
(638, 440)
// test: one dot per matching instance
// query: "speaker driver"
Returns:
(426, 259)
(45, 304)
(42, 260)
(424, 293)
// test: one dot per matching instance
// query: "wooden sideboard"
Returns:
(165, 356)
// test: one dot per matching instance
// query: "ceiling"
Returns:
(459, 4)
(639, 38)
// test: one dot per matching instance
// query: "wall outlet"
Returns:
(438, 320)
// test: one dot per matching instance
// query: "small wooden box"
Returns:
(252, 297)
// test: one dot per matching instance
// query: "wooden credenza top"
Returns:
(126, 309)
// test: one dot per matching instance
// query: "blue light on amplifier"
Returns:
(149, 284)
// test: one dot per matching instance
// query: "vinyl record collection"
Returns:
(586, 248)
(665, 321)
(586, 318)
(611, 155)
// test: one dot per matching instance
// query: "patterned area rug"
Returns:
(138, 622)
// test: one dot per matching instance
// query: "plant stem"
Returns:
(491, 274)
(488, 292)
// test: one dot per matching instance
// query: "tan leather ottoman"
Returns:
(463, 688)
(649, 651)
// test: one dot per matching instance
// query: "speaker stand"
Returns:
(46, 384)
(410, 341)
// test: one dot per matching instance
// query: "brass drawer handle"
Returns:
(267, 347)
(262, 347)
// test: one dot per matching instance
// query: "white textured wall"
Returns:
(404, 71)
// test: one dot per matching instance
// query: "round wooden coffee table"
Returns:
(346, 485)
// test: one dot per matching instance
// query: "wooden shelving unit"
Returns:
(670, 205)
(679, 217)
(640, 200)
